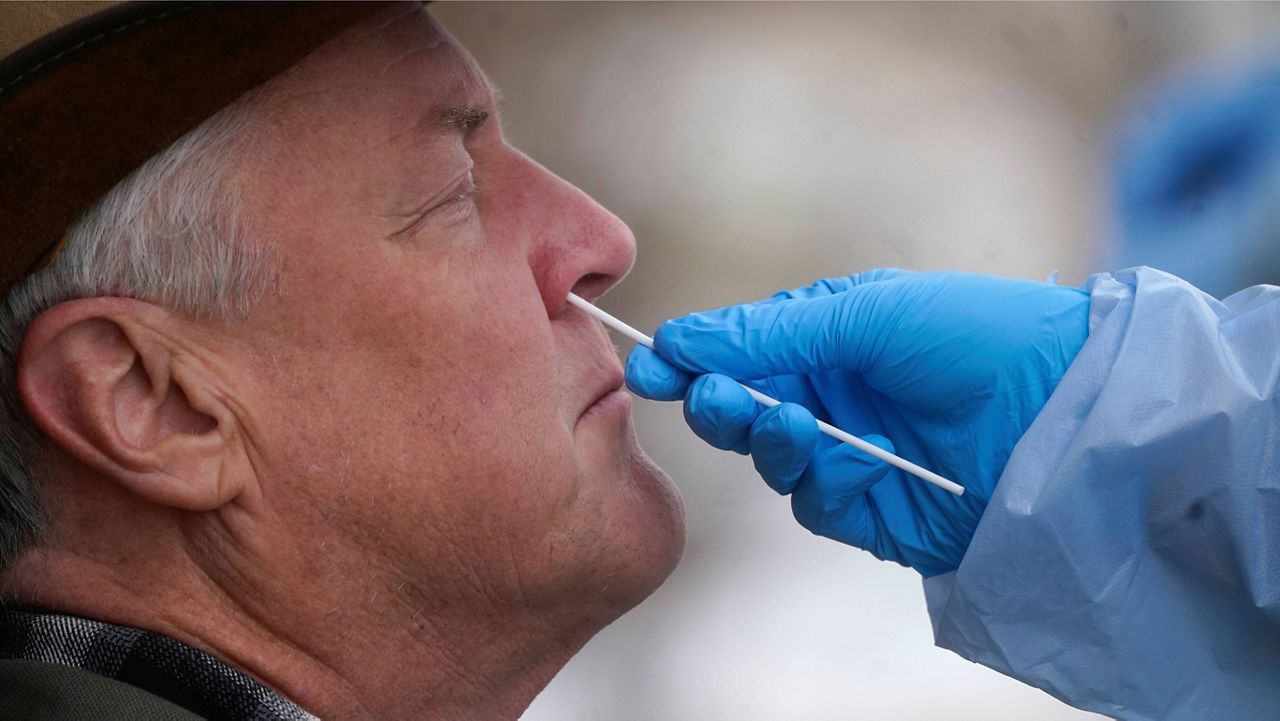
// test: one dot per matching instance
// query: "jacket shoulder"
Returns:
(38, 691)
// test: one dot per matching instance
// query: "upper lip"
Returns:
(603, 373)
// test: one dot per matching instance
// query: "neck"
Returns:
(340, 636)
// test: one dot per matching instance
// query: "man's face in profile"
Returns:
(422, 413)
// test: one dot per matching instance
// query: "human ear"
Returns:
(101, 378)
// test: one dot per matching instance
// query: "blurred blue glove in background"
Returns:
(1197, 179)
(952, 367)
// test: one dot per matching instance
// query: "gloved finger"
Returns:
(782, 440)
(831, 286)
(651, 377)
(720, 412)
(796, 389)
(783, 337)
(831, 497)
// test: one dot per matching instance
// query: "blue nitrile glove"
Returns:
(1196, 177)
(952, 367)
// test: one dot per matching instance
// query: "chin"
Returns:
(621, 536)
(651, 539)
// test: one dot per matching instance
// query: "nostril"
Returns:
(592, 285)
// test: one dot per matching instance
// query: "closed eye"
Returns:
(466, 189)
(454, 204)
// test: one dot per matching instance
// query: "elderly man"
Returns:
(298, 419)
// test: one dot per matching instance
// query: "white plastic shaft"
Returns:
(915, 470)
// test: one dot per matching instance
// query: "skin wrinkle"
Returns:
(292, 653)
(436, 202)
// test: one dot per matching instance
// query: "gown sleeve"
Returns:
(1129, 560)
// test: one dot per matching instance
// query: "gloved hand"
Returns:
(1197, 172)
(952, 367)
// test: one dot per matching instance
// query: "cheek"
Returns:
(438, 398)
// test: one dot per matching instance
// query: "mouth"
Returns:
(611, 396)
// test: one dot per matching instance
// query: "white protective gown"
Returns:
(1129, 561)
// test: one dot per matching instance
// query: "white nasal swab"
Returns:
(764, 400)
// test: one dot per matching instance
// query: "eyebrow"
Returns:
(463, 119)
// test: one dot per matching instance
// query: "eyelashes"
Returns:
(464, 190)
(461, 192)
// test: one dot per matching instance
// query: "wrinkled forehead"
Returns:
(354, 123)
(396, 70)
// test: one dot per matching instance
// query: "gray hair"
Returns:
(169, 233)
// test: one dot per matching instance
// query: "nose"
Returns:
(575, 244)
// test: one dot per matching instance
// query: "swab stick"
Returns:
(764, 400)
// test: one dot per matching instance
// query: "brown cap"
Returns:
(87, 104)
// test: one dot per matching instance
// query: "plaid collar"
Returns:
(156, 664)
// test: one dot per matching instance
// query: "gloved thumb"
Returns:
(783, 337)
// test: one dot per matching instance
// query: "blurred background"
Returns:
(753, 147)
